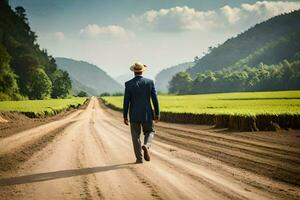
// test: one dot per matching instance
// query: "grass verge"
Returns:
(42, 108)
(246, 111)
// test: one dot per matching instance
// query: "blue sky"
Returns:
(159, 33)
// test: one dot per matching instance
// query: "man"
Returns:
(138, 92)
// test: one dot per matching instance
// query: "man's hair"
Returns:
(138, 73)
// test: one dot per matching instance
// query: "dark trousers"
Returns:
(148, 131)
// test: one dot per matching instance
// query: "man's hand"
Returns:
(156, 119)
(126, 121)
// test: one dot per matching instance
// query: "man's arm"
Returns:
(126, 102)
(155, 101)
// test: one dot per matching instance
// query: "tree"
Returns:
(118, 94)
(8, 83)
(24, 66)
(82, 94)
(180, 83)
(21, 12)
(295, 79)
(196, 58)
(282, 76)
(51, 68)
(28, 68)
(40, 85)
(104, 94)
(61, 85)
(197, 86)
(4, 2)
(210, 49)
(208, 82)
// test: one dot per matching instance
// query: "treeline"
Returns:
(282, 76)
(107, 94)
(26, 71)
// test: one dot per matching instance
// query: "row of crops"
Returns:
(42, 108)
(248, 111)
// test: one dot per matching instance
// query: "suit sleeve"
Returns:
(126, 102)
(154, 100)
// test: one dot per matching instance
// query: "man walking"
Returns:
(138, 93)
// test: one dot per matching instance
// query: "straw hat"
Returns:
(138, 67)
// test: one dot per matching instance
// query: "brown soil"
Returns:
(88, 155)
(16, 122)
(2, 120)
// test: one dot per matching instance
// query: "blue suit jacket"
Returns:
(138, 92)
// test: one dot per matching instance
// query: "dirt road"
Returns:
(89, 155)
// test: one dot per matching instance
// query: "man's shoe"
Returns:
(146, 153)
(138, 161)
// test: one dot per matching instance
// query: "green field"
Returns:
(245, 103)
(35, 108)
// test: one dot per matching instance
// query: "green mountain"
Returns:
(88, 77)
(78, 87)
(269, 42)
(26, 71)
(123, 78)
(164, 76)
(264, 58)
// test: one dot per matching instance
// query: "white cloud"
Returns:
(111, 31)
(259, 11)
(176, 19)
(189, 19)
(59, 35)
(232, 15)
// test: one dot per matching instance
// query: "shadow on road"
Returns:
(60, 174)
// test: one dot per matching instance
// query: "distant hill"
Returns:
(123, 78)
(77, 87)
(164, 76)
(269, 42)
(88, 77)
